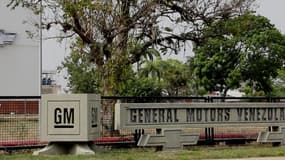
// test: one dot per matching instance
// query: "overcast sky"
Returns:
(275, 11)
(54, 53)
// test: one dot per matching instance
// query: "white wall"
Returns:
(20, 61)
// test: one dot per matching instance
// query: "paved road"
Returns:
(265, 158)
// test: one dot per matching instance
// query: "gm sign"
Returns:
(70, 117)
(63, 117)
(6, 38)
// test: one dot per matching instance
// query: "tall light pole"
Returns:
(40, 49)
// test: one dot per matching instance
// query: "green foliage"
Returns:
(279, 84)
(82, 75)
(244, 50)
(141, 87)
(85, 77)
(172, 75)
(249, 91)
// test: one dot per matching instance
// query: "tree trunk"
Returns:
(125, 15)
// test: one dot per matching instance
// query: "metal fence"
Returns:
(19, 125)
(19, 120)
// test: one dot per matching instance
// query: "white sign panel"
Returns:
(181, 115)
(19, 55)
(63, 117)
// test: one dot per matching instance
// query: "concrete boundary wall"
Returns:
(193, 115)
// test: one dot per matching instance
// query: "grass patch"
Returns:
(150, 153)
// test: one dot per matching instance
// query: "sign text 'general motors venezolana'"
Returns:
(162, 115)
